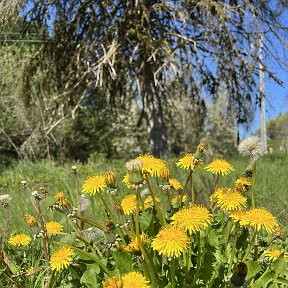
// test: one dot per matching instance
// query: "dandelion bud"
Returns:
(110, 179)
(134, 170)
(199, 152)
(74, 168)
(248, 173)
(4, 199)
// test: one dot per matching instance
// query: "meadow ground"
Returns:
(271, 189)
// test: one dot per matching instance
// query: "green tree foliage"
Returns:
(139, 46)
(220, 132)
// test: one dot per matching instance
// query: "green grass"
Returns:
(270, 190)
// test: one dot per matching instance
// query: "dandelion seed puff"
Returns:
(252, 147)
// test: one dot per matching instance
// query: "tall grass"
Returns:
(271, 188)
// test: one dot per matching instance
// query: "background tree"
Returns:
(141, 44)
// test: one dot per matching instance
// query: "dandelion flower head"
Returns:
(62, 201)
(152, 165)
(192, 219)
(231, 200)
(272, 254)
(175, 184)
(19, 239)
(128, 204)
(110, 179)
(177, 198)
(219, 167)
(237, 215)
(53, 227)
(187, 162)
(126, 181)
(94, 184)
(149, 200)
(133, 246)
(61, 258)
(171, 241)
(113, 282)
(134, 280)
(259, 218)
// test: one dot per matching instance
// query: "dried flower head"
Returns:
(110, 179)
(242, 184)
(252, 147)
(44, 191)
(4, 200)
(31, 220)
(165, 173)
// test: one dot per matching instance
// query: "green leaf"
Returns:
(146, 219)
(90, 275)
(264, 280)
(123, 261)
(279, 265)
(253, 268)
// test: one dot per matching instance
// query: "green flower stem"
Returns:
(160, 215)
(168, 198)
(198, 259)
(192, 191)
(250, 246)
(81, 213)
(253, 185)
(148, 261)
(233, 247)
(89, 221)
(80, 251)
(186, 185)
(173, 265)
(113, 219)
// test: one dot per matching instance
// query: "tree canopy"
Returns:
(135, 48)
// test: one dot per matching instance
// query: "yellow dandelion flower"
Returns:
(31, 220)
(152, 165)
(128, 204)
(192, 219)
(220, 167)
(165, 173)
(177, 198)
(237, 215)
(134, 280)
(110, 179)
(126, 181)
(19, 239)
(94, 184)
(59, 195)
(259, 218)
(175, 184)
(61, 258)
(149, 200)
(231, 200)
(133, 247)
(272, 254)
(113, 282)
(219, 191)
(53, 227)
(242, 184)
(170, 241)
(187, 162)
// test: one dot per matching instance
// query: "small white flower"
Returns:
(252, 147)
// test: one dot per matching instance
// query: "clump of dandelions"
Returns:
(252, 147)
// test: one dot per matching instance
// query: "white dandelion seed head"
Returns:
(252, 147)
(5, 198)
(93, 234)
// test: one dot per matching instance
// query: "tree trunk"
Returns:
(156, 130)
